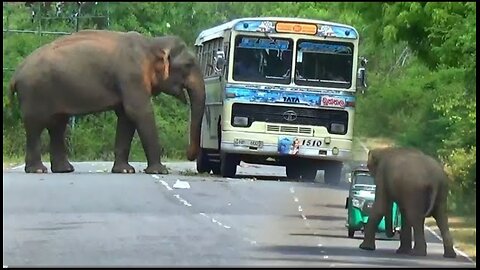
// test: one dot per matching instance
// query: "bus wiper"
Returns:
(269, 37)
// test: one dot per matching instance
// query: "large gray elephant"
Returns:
(419, 185)
(97, 70)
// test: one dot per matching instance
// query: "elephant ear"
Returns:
(372, 160)
(161, 62)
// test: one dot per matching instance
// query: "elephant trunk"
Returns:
(195, 86)
(389, 220)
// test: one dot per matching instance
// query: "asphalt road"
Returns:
(94, 218)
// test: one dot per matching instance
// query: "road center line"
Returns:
(182, 200)
(162, 182)
(216, 221)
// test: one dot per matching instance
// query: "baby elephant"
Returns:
(419, 185)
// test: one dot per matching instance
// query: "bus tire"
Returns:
(203, 163)
(216, 168)
(333, 173)
(228, 165)
(309, 173)
(293, 171)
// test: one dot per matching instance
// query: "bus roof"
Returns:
(218, 31)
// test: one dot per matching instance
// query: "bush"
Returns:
(461, 166)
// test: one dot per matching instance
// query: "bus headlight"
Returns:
(337, 128)
(335, 151)
(240, 121)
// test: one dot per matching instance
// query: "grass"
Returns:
(189, 172)
(464, 233)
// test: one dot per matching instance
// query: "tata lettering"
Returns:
(291, 99)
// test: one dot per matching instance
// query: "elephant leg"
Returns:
(405, 236)
(123, 142)
(416, 218)
(374, 219)
(33, 157)
(442, 222)
(140, 111)
(58, 148)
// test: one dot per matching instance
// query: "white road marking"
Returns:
(18, 167)
(300, 208)
(162, 182)
(319, 244)
(292, 190)
(456, 249)
(304, 217)
(216, 221)
(295, 199)
(182, 200)
(325, 257)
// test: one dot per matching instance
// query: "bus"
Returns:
(279, 91)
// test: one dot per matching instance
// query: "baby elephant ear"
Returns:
(161, 62)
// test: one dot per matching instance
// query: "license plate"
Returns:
(311, 143)
(249, 143)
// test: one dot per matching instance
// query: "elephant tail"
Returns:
(433, 198)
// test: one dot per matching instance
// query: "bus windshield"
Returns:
(324, 63)
(262, 59)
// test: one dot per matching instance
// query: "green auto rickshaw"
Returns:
(360, 200)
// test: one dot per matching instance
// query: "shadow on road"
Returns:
(342, 236)
(321, 217)
(380, 257)
(336, 206)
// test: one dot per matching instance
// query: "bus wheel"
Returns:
(293, 171)
(309, 172)
(228, 165)
(203, 163)
(215, 168)
(333, 173)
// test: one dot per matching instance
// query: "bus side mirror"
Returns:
(219, 61)
(362, 75)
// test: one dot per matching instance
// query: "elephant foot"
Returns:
(39, 168)
(156, 169)
(449, 253)
(404, 250)
(366, 246)
(419, 252)
(62, 167)
(123, 168)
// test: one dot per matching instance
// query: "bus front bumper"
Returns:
(270, 147)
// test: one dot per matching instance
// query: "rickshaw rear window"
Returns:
(364, 179)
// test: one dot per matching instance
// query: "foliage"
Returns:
(422, 71)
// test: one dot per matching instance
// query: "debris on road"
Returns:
(181, 184)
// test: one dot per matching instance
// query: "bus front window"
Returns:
(261, 59)
(324, 63)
